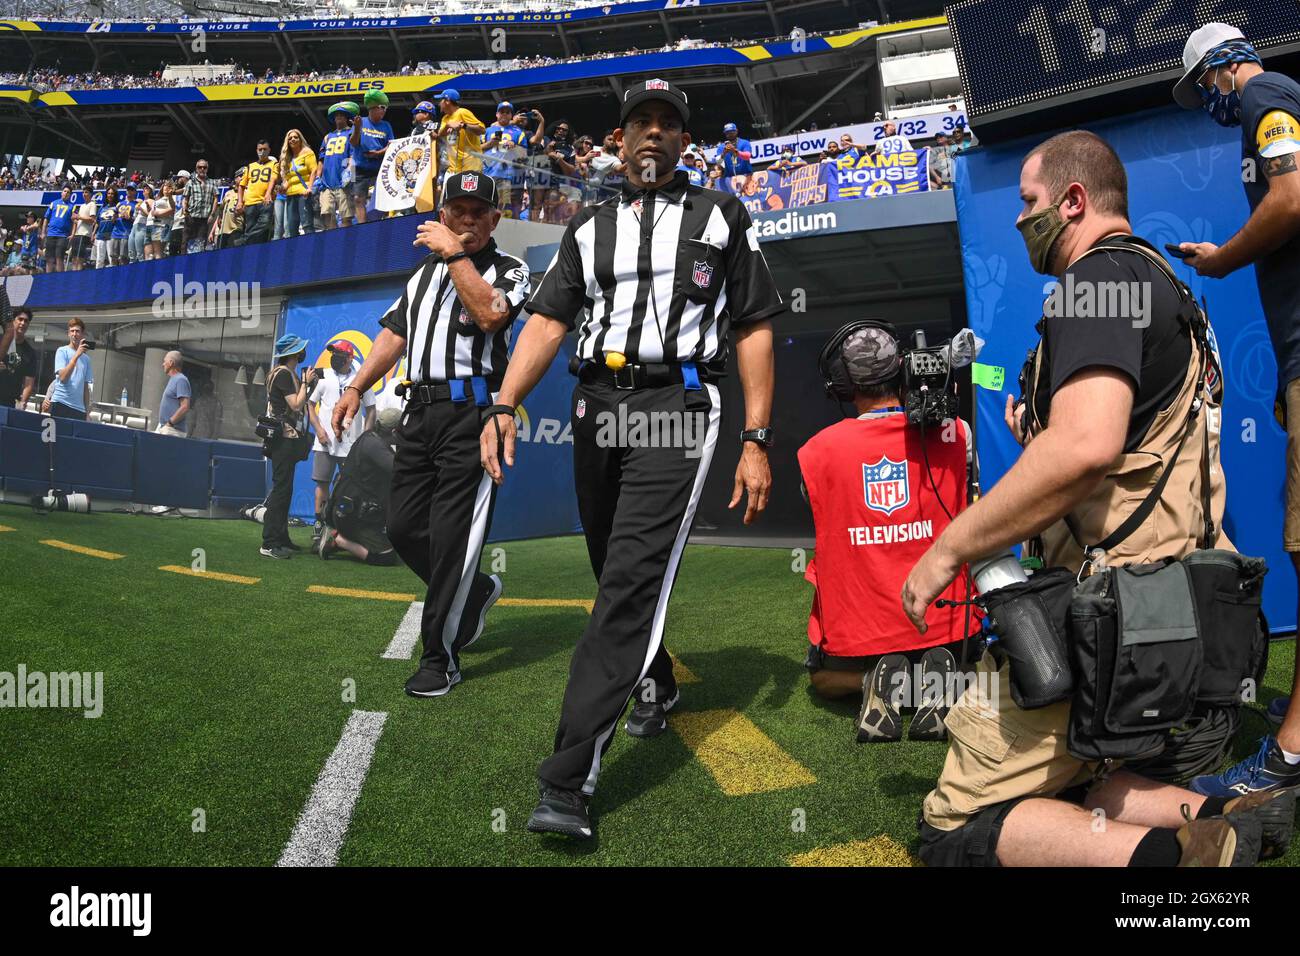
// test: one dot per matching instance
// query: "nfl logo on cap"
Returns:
(656, 85)
(469, 182)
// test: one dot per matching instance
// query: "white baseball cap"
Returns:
(1198, 46)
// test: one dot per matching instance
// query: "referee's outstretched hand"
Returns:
(754, 479)
(497, 441)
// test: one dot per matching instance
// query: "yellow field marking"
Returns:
(214, 575)
(5, 527)
(106, 555)
(359, 593)
(880, 850)
(547, 602)
(682, 673)
(742, 759)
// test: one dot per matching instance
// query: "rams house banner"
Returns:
(406, 175)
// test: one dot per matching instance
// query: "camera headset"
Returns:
(841, 387)
(835, 371)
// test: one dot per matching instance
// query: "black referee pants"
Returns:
(637, 503)
(438, 517)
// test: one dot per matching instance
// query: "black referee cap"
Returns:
(473, 184)
(634, 95)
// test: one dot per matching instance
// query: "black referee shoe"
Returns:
(430, 683)
(649, 718)
(482, 597)
(561, 811)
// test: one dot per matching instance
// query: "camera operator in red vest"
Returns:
(881, 491)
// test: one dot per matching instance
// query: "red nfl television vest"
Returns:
(876, 514)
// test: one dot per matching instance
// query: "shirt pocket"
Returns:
(699, 271)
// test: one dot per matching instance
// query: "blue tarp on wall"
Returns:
(537, 498)
(1184, 185)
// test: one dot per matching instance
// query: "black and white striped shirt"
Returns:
(442, 341)
(659, 275)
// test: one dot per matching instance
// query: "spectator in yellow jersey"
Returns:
(256, 194)
(461, 136)
(298, 168)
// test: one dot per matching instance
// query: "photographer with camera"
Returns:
(881, 490)
(285, 438)
(356, 515)
(1115, 401)
(69, 394)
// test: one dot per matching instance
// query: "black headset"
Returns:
(835, 371)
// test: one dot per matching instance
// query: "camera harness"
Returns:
(1190, 314)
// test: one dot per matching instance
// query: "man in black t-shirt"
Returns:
(1094, 446)
(1152, 349)
(18, 380)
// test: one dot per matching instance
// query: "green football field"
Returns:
(224, 699)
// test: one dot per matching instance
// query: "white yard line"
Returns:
(323, 824)
(407, 635)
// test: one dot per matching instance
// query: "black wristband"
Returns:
(495, 410)
(454, 256)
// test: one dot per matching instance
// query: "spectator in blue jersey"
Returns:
(852, 150)
(104, 229)
(332, 176)
(31, 230)
(371, 135)
(57, 230)
(735, 153)
(503, 144)
(787, 162)
(120, 237)
(140, 216)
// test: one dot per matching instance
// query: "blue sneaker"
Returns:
(1276, 712)
(1265, 770)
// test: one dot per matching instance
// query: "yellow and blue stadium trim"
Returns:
(356, 87)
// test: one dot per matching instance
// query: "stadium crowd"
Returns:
(545, 171)
(52, 79)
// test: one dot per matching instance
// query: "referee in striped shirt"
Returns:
(453, 324)
(653, 280)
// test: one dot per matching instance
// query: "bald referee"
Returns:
(453, 323)
(654, 280)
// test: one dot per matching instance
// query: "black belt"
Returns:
(426, 393)
(648, 375)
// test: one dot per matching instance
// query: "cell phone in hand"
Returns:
(1173, 250)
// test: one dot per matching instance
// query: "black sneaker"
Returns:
(561, 811)
(431, 683)
(290, 546)
(282, 554)
(317, 530)
(483, 594)
(649, 718)
(883, 692)
(937, 667)
(1275, 810)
